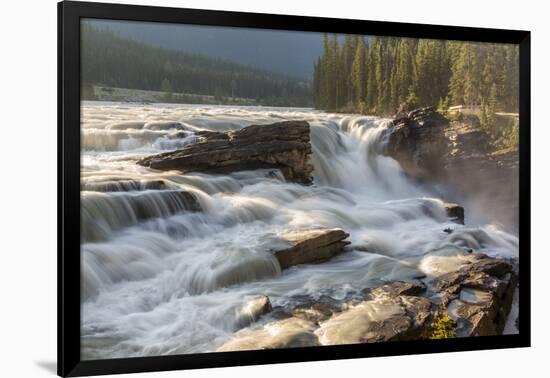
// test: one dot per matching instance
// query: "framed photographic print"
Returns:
(239, 188)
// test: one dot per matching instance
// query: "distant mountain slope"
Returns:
(111, 60)
(289, 53)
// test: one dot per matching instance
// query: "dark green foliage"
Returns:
(388, 73)
(443, 106)
(111, 61)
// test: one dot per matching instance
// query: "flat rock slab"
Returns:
(283, 145)
(311, 246)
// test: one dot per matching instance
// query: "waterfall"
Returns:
(169, 260)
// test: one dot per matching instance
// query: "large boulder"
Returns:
(418, 142)
(303, 247)
(478, 296)
(284, 145)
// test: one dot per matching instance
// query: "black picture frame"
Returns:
(69, 15)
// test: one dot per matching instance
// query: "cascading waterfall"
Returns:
(169, 260)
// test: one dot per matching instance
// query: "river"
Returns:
(157, 279)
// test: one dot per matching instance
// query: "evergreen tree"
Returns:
(387, 74)
(372, 62)
(358, 72)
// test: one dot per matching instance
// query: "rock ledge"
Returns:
(284, 145)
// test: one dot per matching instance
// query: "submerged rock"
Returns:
(311, 246)
(284, 145)
(103, 213)
(455, 212)
(253, 309)
(123, 185)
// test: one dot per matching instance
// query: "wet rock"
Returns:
(455, 212)
(478, 296)
(316, 313)
(284, 146)
(102, 213)
(382, 319)
(418, 142)
(286, 333)
(473, 319)
(398, 288)
(253, 309)
(368, 321)
(310, 246)
(481, 271)
(311, 308)
(390, 329)
(421, 311)
(491, 266)
(123, 185)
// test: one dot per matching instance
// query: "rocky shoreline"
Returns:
(477, 297)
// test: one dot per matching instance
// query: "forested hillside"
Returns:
(112, 61)
(383, 74)
(278, 51)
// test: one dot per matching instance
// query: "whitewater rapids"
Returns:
(159, 279)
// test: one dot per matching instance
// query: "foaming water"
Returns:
(165, 273)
